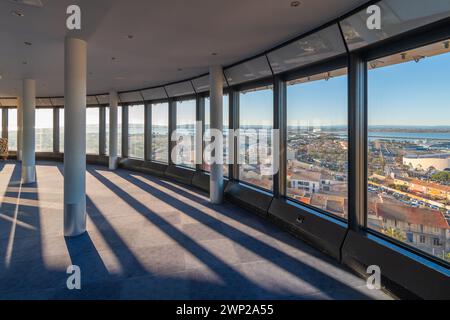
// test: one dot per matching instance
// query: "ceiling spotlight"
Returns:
(295, 3)
(17, 13)
(27, 43)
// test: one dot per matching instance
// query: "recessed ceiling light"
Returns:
(17, 13)
(27, 43)
(295, 3)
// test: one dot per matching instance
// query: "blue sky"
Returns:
(256, 108)
(404, 94)
(318, 103)
(411, 93)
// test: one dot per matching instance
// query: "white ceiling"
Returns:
(172, 39)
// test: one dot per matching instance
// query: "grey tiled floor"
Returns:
(153, 239)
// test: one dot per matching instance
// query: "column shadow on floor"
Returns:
(315, 277)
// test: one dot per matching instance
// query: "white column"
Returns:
(216, 114)
(113, 100)
(74, 137)
(28, 119)
(19, 128)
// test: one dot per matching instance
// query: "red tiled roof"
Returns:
(417, 216)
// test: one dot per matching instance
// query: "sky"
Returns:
(256, 108)
(318, 103)
(409, 93)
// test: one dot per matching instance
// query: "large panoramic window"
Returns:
(119, 131)
(12, 129)
(44, 130)
(136, 115)
(317, 141)
(207, 136)
(107, 130)
(92, 130)
(61, 130)
(409, 148)
(255, 137)
(160, 132)
(186, 120)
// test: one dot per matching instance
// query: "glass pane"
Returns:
(57, 102)
(255, 140)
(43, 102)
(409, 148)
(317, 142)
(103, 99)
(180, 89)
(226, 141)
(134, 96)
(160, 132)
(155, 93)
(44, 130)
(316, 47)
(12, 129)
(207, 137)
(207, 134)
(91, 101)
(119, 131)
(136, 115)
(107, 130)
(250, 70)
(61, 130)
(397, 16)
(201, 84)
(92, 130)
(186, 121)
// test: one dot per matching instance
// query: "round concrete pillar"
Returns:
(74, 137)
(28, 122)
